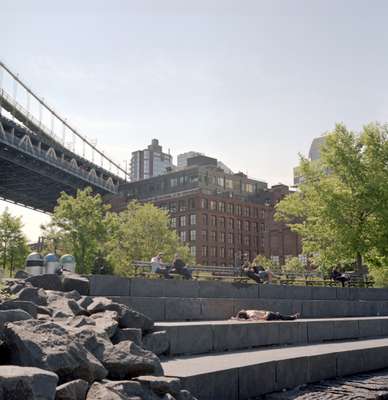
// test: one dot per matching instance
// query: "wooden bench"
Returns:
(213, 272)
(144, 269)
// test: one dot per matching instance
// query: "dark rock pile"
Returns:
(56, 342)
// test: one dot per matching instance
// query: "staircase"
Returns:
(342, 331)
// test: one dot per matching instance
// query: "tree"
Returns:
(13, 243)
(264, 262)
(55, 239)
(81, 222)
(139, 233)
(340, 210)
(293, 264)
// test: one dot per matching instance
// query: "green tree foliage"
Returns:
(13, 243)
(55, 239)
(81, 223)
(139, 233)
(293, 264)
(341, 209)
(264, 262)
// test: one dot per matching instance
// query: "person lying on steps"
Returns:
(263, 315)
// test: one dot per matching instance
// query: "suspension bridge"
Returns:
(42, 154)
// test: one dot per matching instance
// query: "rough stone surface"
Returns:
(74, 390)
(35, 295)
(132, 334)
(99, 391)
(127, 360)
(106, 322)
(46, 281)
(161, 384)
(27, 306)
(75, 282)
(21, 275)
(12, 316)
(48, 345)
(16, 288)
(67, 306)
(157, 342)
(99, 304)
(26, 383)
(85, 301)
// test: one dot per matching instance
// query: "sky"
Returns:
(249, 82)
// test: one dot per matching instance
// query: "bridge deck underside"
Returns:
(31, 182)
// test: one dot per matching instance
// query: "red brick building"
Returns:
(218, 215)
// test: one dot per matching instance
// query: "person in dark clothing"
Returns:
(338, 276)
(256, 272)
(179, 267)
(264, 315)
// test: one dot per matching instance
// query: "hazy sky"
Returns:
(248, 82)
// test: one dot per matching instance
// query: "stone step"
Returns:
(248, 374)
(107, 285)
(202, 309)
(217, 336)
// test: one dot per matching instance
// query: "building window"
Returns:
(173, 222)
(182, 220)
(173, 182)
(254, 227)
(262, 227)
(204, 251)
(221, 222)
(204, 236)
(213, 205)
(213, 236)
(173, 207)
(246, 226)
(231, 253)
(204, 204)
(275, 260)
(222, 237)
(246, 211)
(229, 184)
(238, 225)
(239, 239)
(230, 224)
(255, 212)
(249, 188)
(213, 252)
(230, 238)
(182, 205)
(237, 210)
(262, 214)
(229, 208)
(193, 219)
(220, 181)
(183, 236)
(222, 252)
(193, 235)
(262, 242)
(221, 206)
(204, 219)
(192, 204)
(246, 241)
(213, 220)
(193, 251)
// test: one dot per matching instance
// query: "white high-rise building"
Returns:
(150, 162)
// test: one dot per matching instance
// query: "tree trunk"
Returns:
(359, 262)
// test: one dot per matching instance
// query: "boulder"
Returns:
(185, 395)
(60, 303)
(95, 342)
(157, 342)
(26, 383)
(45, 310)
(85, 301)
(106, 322)
(135, 319)
(132, 334)
(21, 274)
(74, 390)
(80, 321)
(161, 384)
(127, 360)
(34, 295)
(73, 294)
(131, 390)
(12, 316)
(16, 288)
(48, 345)
(27, 306)
(99, 391)
(46, 281)
(99, 304)
(76, 282)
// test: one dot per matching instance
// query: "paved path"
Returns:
(357, 387)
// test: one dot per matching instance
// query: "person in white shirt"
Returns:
(157, 266)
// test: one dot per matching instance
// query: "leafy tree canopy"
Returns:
(341, 207)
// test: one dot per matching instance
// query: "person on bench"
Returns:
(157, 266)
(338, 276)
(264, 315)
(256, 272)
(179, 267)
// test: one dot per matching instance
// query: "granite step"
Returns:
(217, 336)
(242, 375)
(207, 309)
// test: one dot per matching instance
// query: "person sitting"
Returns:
(179, 267)
(256, 272)
(338, 276)
(264, 315)
(157, 266)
